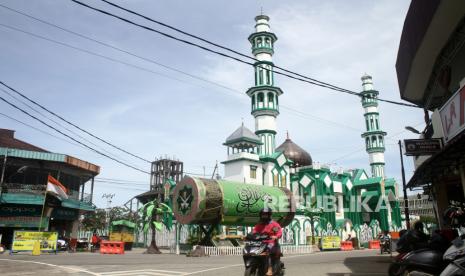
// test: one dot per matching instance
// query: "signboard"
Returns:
(453, 115)
(417, 147)
(23, 221)
(331, 243)
(24, 241)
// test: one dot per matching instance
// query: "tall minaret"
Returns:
(264, 94)
(374, 136)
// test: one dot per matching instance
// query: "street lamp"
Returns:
(409, 128)
(406, 211)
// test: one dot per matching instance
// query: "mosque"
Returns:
(254, 158)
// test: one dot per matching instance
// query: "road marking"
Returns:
(155, 272)
(52, 265)
(211, 269)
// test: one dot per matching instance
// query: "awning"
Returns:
(451, 157)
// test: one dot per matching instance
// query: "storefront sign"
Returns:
(417, 147)
(331, 243)
(24, 240)
(19, 210)
(453, 115)
(64, 214)
(23, 221)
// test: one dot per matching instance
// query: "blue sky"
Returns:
(163, 112)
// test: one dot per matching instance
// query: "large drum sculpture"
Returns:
(214, 202)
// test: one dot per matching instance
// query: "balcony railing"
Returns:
(36, 189)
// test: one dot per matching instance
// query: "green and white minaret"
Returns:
(374, 136)
(264, 95)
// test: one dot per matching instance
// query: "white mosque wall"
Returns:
(264, 57)
(265, 122)
(377, 157)
(370, 109)
(240, 171)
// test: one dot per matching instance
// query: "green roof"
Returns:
(123, 222)
(368, 181)
(47, 156)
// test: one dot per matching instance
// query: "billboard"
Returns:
(24, 241)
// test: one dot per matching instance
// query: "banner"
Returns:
(24, 240)
(331, 243)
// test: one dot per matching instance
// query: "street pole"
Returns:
(406, 211)
(3, 172)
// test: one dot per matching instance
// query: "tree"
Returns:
(314, 215)
(154, 215)
(94, 220)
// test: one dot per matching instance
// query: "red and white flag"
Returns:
(55, 187)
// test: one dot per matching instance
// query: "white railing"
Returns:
(222, 250)
(296, 249)
(231, 250)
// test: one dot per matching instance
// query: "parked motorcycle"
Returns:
(256, 254)
(455, 256)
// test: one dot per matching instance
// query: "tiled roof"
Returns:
(8, 140)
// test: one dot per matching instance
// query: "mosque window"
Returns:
(366, 121)
(260, 99)
(380, 140)
(253, 101)
(259, 42)
(267, 42)
(283, 181)
(372, 123)
(260, 76)
(270, 99)
(377, 125)
(253, 172)
(268, 76)
(373, 141)
(368, 142)
(275, 180)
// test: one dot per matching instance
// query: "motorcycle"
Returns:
(418, 258)
(455, 255)
(385, 244)
(256, 254)
(62, 244)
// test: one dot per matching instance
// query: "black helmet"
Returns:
(266, 210)
(265, 215)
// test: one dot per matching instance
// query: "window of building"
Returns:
(283, 181)
(275, 180)
(260, 98)
(270, 99)
(253, 172)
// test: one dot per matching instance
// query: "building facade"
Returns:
(23, 180)
(431, 74)
(252, 157)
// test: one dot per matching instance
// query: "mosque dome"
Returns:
(295, 153)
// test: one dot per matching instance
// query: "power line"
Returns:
(300, 78)
(72, 124)
(295, 111)
(59, 124)
(70, 137)
(38, 129)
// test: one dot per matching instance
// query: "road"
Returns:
(365, 262)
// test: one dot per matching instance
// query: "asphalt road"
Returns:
(365, 262)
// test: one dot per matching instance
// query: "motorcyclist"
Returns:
(385, 238)
(267, 226)
(414, 239)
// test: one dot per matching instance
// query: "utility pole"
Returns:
(406, 211)
(109, 198)
(3, 172)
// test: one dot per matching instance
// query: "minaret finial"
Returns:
(242, 119)
(261, 10)
(287, 134)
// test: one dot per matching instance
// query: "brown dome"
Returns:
(295, 153)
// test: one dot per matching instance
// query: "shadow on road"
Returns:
(366, 265)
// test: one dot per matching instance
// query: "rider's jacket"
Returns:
(271, 229)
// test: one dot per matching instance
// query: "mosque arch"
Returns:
(270, 100)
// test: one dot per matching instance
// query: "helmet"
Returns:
(265, 215)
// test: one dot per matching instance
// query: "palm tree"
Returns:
(154, 215)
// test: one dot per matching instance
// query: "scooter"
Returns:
(426, 261)
(256, 254)
(455, 255)
(385, 244)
